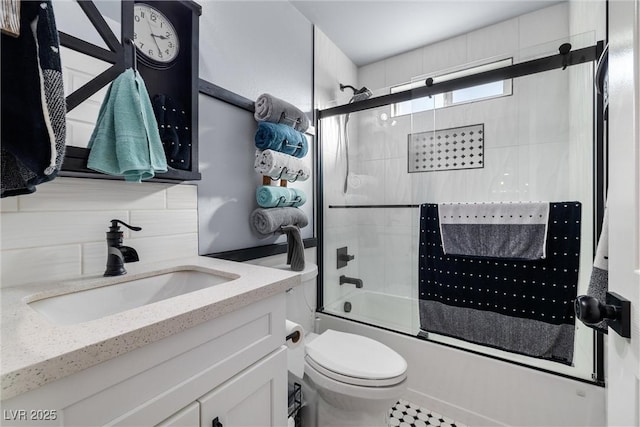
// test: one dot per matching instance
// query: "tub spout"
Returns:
(352, 280)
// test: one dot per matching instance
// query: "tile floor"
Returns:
(406, 414)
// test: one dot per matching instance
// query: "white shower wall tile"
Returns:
(402, 68)
(371, 257)
(372, 217)
(341, 216)
(398, 274)
(544, 171)
(544, 25)
(397, 182)
(542, 105)
(500, 119)
(501, 179)
(331, 67)
(399, 217)
(371, 144)
(371, 175)
(372, 76)
(423, 121)
(495, 40)
(444, 55)
(397, 136)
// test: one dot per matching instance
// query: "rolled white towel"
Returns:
(280, 166)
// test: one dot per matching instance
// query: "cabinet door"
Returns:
(256, 397)
(186, 417)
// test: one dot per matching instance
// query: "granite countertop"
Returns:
(35, 351)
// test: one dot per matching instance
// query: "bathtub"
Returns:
(379, 309)
(455, 379)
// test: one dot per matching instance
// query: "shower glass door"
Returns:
(526, 139)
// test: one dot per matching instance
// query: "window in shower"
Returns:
(455, 97)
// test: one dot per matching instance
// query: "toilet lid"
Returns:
(355, 356)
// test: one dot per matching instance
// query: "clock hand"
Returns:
(154, 40)
(159, 36)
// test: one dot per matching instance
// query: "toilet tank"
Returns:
(301, 300)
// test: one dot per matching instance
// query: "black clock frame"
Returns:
(159, 65)
(185, 16)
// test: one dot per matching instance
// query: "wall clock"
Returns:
(155, 36)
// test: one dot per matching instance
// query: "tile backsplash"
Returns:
(59, 231)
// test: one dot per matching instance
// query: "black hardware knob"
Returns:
(216, 423)
(564, 48)
(591, 311)
(617, 312)
(344, 257)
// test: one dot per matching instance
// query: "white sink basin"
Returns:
(103, 301)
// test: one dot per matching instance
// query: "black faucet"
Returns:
(117, 254)
(344, 279)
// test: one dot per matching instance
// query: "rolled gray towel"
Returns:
(295, 247)
(268, 221)
(275, 110)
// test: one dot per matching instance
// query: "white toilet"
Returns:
(350, 380)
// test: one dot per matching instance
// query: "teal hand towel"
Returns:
(270, 196)
(126, 141)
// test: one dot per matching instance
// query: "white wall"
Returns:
(250, 48)
(58, 232)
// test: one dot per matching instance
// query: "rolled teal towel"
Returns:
(282, 138)
(125, 140)
(269, 196)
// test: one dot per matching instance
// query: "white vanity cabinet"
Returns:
(232, 367)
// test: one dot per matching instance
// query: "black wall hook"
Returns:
(135, 54)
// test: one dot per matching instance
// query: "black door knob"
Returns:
(591, 311)
(616, 311)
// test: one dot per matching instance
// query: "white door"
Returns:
(623, 355)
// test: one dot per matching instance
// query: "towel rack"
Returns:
(266, 180)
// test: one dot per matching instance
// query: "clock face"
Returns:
(154, 35)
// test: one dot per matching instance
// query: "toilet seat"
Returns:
(355, 360)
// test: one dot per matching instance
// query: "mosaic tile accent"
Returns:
(406, 414)
(447, 149)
